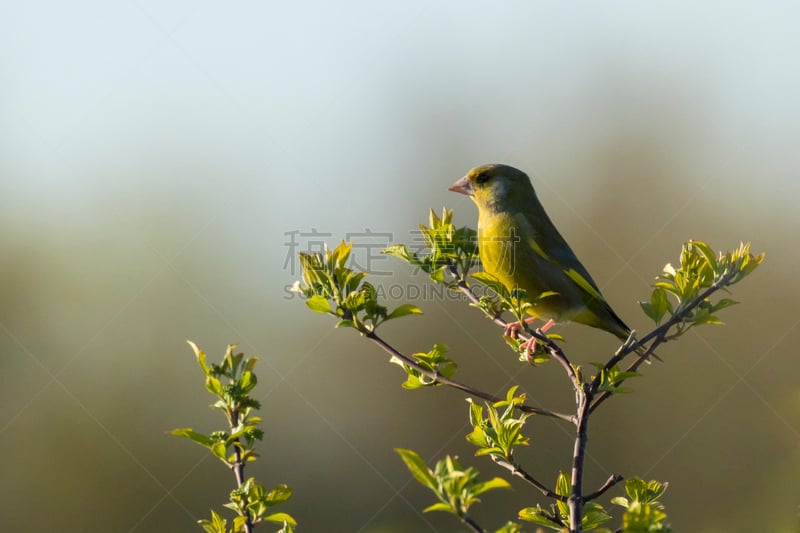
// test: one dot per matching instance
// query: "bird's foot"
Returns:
(529, 346)
(513, 328)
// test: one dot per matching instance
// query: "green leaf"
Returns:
(610, 379)
(440, 506)
(490, 281)
(404, 310)
(251, 363)
(593, 516)
(432, 362)
(495, 483)
(707, 319)
(438, 275)
(279, 494)
(622, 501)
(475, 412)
(563, 488)
(658, 305)
(189, 433)
(642, 518)
(413, 382)
(401, 252)
(247, 381)
(355, 301)
(319, 304)
(239, 523)
(707, 252)
(417, 467)
(539, 516)
(213, 385)
(217, 524)
(644, 491)
(723, 303)
(201, 357)
(286, 529)
(499, 433)
(338, 257)
(219, 449)
(478, 438)
(509, 527)
(280, 518)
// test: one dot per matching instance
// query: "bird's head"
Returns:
(495, 186)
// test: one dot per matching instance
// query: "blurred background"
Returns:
(163, 162)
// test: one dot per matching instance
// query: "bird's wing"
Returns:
(551, 246)
(548, 243)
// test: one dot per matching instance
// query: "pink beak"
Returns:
(463, 186)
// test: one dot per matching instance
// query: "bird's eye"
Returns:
(482, 178)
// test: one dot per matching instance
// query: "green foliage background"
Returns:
(155, 155)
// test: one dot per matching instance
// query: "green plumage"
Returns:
(521, 247)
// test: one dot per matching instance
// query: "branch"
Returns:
(472, 524)
(238, 468)
(553, 348)
(576, 498)
(557, 353)
(660, 332)
(658, 336)
(610, 482)
(371, 335)
(517, 470)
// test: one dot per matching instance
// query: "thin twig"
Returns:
(238, 467)
(585, 395)
(555, 351)
(610, 482)
(472, 524)
(658, 336)
(583, 399)
(517, 470)
(458, 385)
(674, 319)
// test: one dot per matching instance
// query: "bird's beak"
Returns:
(463, 186)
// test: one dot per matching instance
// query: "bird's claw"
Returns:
(529, 346)
(512, 329)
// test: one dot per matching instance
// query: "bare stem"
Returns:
(576, 499)
(238, 467)
(472, 524)
(583, 397)
(388, 348)
(556, 353)
(553, 349)
(610, 482)
(657, 336)
(517, 470)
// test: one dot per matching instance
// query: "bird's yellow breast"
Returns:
(498, 239)
(510, 250)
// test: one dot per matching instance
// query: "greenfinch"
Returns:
(520, 246)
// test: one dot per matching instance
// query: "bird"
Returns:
(520, 246)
